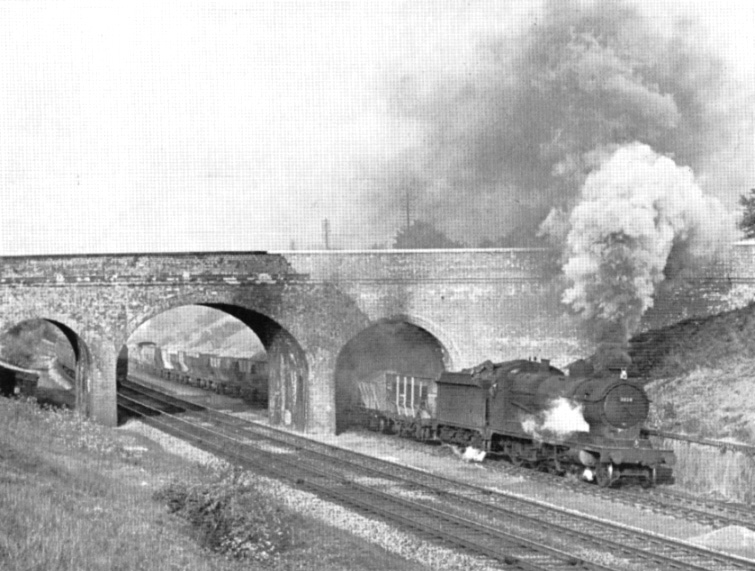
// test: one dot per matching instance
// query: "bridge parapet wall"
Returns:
(333, 265)
(139, 268)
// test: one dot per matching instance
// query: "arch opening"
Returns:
(225, 355)
(56, 355)
(388, 346)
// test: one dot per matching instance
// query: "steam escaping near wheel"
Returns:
(470, 454)
(562, 419)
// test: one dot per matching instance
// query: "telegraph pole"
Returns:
(407, 207)
(326, 233)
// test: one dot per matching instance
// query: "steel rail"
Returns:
(435, 523)
(710, 512)
(637, 545)
(702, 510)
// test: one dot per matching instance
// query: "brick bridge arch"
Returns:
(299, 345)
(82, 368)
(401, 343)
(451, 353)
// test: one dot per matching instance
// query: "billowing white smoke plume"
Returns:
(640, 219)
(563, 418)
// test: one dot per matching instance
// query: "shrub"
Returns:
(669, 411)
(231, 516)
(742, 434)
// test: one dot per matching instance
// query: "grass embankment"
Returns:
(702, 383)
(78, 496)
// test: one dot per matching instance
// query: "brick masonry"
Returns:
(305, 306)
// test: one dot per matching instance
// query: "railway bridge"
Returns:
(320, 314)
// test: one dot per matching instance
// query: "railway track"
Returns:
(459, 503)
(719, 513)
(509, 551)
(706, 511)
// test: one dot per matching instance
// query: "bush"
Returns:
(231, 516)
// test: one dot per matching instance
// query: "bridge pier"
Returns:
(321, 412)
(100, 386)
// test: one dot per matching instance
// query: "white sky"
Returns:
(175, 126)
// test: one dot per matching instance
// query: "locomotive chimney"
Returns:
(612, 351)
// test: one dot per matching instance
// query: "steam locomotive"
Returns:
(530, 412)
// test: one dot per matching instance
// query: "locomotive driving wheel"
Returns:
(555, 467)
(604, 474)
(518, 461)
(419, 432)
(649, 480)
(382, 425)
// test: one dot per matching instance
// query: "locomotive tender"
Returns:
(512, 409)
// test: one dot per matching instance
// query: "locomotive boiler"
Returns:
(530, 412)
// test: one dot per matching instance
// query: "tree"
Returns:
(521, 235)
(422, 235)
(20, 345)
(747, 223)
(519, 238)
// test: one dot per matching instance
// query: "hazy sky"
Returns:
(177, 126)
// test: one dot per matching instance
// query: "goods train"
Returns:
(233, 376)
(530, 412)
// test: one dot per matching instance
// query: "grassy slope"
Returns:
(78, 496)
(702, 375)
